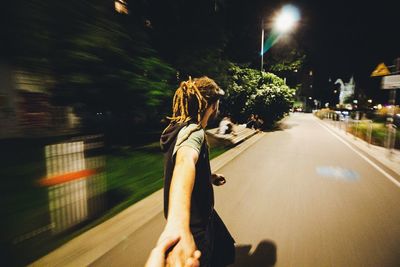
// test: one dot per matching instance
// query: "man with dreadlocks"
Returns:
(188, 191)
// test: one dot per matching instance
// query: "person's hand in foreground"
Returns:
(158, 254)
(218, 179)
(185, 249)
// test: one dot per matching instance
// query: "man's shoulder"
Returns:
(191, 135)
(192, 128)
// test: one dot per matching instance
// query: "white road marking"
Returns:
(391, 178)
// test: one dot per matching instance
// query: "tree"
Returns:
(110, 66)
(286, 62)
(252, 92)
(100, 60)
(289, 62)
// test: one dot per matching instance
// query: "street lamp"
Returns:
(286, 20)
(283, 23)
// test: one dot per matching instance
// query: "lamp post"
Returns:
(283, 23)
(262, 44)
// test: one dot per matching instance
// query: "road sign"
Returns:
(391, 82)
(381, 70)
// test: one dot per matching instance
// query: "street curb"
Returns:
(94, 243)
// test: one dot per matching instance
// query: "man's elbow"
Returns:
(186, 156)
(186, 162)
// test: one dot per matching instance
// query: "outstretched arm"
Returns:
(178, 219)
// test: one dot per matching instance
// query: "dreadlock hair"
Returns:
(191, 100)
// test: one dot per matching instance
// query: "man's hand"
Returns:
(183, 251)
(158, 254)
(218, 179)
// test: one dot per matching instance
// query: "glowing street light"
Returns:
(283, 23)
(287, 19)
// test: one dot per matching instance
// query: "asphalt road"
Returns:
(297, 197)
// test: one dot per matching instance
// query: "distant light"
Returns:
(335, 91)
(295, 70)
(379, 106)
(287, 18)
(310, 98)
(375, 107)
(355, 101)
(369, 100)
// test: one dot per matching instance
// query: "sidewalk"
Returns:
(91, 245)
(379, 153)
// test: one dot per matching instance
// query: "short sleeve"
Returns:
(194, 138)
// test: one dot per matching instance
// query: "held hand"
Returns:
(157, 255)
(218, 179)
(184, 253)
(194, 260)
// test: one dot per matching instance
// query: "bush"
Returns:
(252, 92)
(378, 134)
(323, 113)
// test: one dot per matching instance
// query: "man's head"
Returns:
(195, 99)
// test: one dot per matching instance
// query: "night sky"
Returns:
(341, 39)
(352, 38)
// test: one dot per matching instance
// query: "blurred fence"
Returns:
(51, 188)
(76, 184)
(55, 188)
(375, 133)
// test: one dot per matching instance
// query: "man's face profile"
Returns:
(214, 115)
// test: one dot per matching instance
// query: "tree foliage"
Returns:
(100, 60)
(129, 66)
(286, 62)
(252, 92)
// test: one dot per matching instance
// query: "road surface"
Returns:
(298, 197)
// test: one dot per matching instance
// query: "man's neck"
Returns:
(204, 121)
(206, 117)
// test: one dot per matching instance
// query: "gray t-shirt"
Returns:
(194, 140)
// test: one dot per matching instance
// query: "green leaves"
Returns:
(252, 92)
